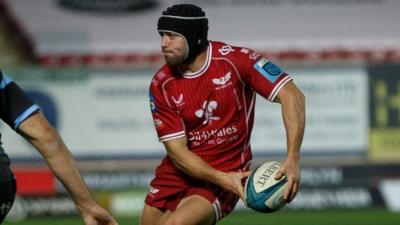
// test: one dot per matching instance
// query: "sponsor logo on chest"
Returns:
(223, 82)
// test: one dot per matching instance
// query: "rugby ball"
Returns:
(263, 192)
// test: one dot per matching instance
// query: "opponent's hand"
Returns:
(233, 182)
(291, 169)
(97, 216)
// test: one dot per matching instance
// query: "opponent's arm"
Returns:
(37, 130)
(293, 112)
(194, 166)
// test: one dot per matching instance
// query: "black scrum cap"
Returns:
(189, 21)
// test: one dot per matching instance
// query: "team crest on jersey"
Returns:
(268, 69)
(207, 112)
(226, 49)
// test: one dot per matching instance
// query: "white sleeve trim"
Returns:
(172, 136)
(278, 87)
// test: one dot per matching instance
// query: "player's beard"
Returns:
(174, 61)
(175, 58)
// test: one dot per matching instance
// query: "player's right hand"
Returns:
(98, 216)
(233, 181)
(291, 169)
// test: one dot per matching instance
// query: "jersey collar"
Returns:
(204, 67)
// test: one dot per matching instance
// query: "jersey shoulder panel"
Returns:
(163, 73)
(239, 57)
(236, 54)
(161, 76)
(161, 84)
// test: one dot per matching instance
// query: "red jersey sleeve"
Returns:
(262, 75)
(167, 121)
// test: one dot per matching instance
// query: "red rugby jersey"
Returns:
(214, 107)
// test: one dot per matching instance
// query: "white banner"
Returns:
(336, 113)
(106, 113)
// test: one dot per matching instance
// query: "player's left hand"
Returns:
(291, 169)
(97, 216)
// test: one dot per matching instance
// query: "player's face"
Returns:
(174, 48)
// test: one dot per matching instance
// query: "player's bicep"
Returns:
(288, 92)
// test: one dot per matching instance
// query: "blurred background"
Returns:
(88, 64)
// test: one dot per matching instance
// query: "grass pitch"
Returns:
(284, 217)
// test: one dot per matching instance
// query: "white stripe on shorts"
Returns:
(217, 210)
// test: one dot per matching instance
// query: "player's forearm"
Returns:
(61, 162)
(190, 163)
(194, 166)
(294, 120)
(50, 145)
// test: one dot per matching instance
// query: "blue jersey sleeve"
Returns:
(15, 105)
